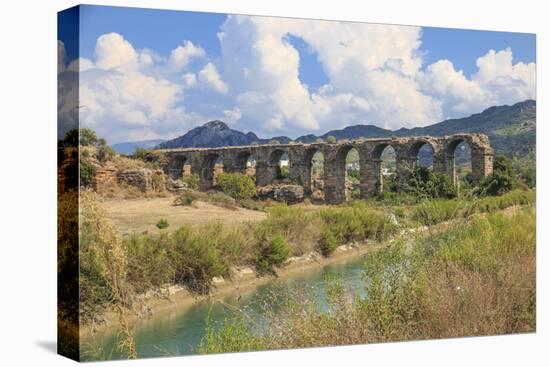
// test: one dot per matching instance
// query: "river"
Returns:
(179, 332)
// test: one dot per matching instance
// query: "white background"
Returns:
(28, 61)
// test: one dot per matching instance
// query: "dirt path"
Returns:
(140, 215)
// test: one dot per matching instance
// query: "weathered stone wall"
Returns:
(104, 178)
(139, 178)
(202, 161)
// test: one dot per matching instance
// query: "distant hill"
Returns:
(217, 134)
(349, 132)
(130, 147)
(212, 134)
(511, 130)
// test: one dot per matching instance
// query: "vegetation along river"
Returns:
(179, 332)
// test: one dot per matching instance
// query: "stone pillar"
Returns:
(482, 163)
(373, 177)
(335, 176)
(230, 163)
(404, 164)
(174, 168)
(440, 160)
(300, 168)
(206, 172)
(365, 171)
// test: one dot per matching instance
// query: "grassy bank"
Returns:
(193, 256)
(477, 278)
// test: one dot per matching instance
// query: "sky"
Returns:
(148, 74)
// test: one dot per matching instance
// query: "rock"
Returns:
(393, 219)
(218, 280)
(281, 192)
(289, 193)
(175, 185)
(143, 179)
(241, 273)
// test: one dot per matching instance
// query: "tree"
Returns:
(331, 139)
(236, 185)
(88, 137)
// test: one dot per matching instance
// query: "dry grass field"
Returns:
(139, 215)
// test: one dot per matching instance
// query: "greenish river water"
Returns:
(179, 332)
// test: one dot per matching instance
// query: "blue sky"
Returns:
(276, 76)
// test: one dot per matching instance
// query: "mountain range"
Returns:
(511, 130)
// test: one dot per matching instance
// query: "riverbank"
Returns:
(246, 279)
(242, 280)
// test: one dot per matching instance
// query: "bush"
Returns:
(163, 223)
(206, 252)
(149, 265)
(236, 185)
(87, 172)
(424, 184)
(356, 223)
(88, 137)
(331, 139)
(274, 252)
(300, 229)
(432, 212)
(105, 153)
(497, 183)
(327, 243)
(102, 261)
(192, 181)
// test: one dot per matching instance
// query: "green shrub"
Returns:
(425, 184)
(196, 258)
(327, 243)
(149, 264)
(87, 172)
(356, 223)
(104, 153)
(192, 181)
(300, 229)
(236, 185)
(88, 137)
(331, 139)
(274, 252)
(497, 183)
(432, 212)
(163, 223)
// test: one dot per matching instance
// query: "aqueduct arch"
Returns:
(300, 156)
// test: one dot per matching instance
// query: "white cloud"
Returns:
(182, 55)
(131, 94)
(190, 79)
(80, 64)
(209, 76)
(498, 81)
(371, 70)
(112, 51)
(232, 116)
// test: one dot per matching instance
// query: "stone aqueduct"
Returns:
(202, 161)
